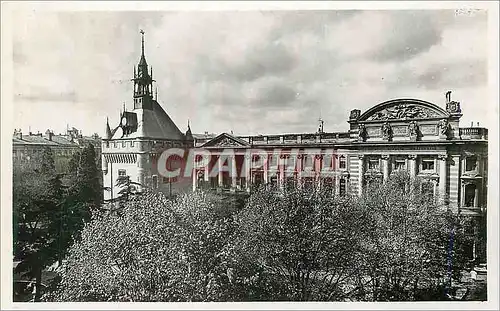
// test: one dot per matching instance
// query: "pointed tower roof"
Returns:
(189, 135)
(108, 130)
(142, 61)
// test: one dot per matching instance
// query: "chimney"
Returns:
(448, 97)
(48, 135)
(18, 134)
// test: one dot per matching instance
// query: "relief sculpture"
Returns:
(403, 111)
(386, 131)
(226, 142)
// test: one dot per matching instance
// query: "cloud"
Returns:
(249, 71)
(409, 34)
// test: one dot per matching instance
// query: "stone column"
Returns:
(361, 162)
(248, 171)
(234, 174)
(281, 170)
(206, 177)
(318, 162)
(195, 179)
(412, 165)
(443, 176)
(462, 194)
(299, 166)
(219, 166)
(476, 195)
(266, 170)
(385, 165)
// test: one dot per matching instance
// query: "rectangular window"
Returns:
(308, 162)
(273, 160)
(373, 164)
(115, 144)
(470, 163)
(342, 186)
(122, 173)
(155, 182)
(399, 165)
(342, 162)
(124, 144)
(470, 195)
(132, 143)
(428, 164)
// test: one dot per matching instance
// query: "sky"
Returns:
(250, 72)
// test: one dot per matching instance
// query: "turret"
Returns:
(189, 135)
(143, 82)
(108, 130)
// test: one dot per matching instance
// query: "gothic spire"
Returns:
(189, 134)
(108, 129)
(142, 62)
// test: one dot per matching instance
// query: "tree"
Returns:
(153, 249)
(37, 193)
(412, 245)
(300, 246)
(84, 177)
(82, 195)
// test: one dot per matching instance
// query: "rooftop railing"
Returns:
(473, 133)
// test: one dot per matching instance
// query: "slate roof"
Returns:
(57, 140)
(153, 123)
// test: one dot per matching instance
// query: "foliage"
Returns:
(37, 194)
(411, 244)
(303, 244)
(50, 209)
(393, 243)
(155, 249)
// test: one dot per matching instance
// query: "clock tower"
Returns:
(135, 145)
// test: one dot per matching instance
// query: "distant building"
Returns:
(63, 146)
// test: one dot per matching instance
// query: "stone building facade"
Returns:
(63, 146)
(402, 134)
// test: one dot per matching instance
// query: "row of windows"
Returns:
(116, 144)
(288, 183)
(28, 152)
(426, 164)
(308, 161)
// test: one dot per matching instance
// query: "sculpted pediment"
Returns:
(403, 109)
(226, 141)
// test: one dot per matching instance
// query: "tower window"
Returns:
(122, 173)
